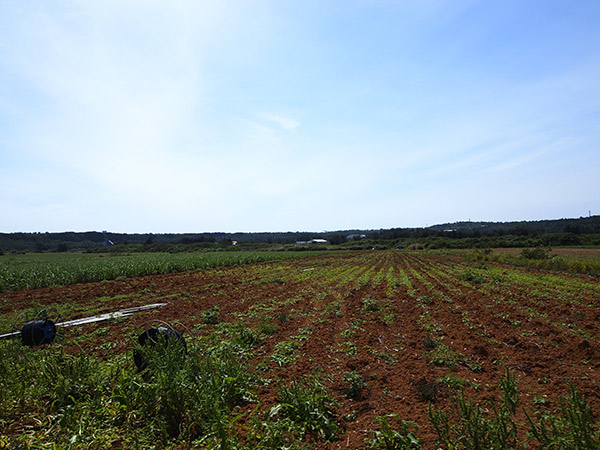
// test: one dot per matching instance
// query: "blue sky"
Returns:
(191, 116)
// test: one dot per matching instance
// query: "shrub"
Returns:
(536, 253)
(472, 277)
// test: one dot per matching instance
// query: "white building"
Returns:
(312, 241)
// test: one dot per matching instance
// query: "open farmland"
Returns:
(35, 270)
(355, 335)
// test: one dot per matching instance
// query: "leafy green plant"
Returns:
(425, 299)
(452, 381)
(309, 406)
(333, 307)
(348, 333)
(265, 433)
(267, 327)
(370, 305)
(69, 378)
(389, 318)
(184, 401)
(356, 384)
(402, 438)
(210, 316)
(442, 355)
(247, 337)
(285, 352)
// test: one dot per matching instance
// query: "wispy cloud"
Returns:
(284, 122)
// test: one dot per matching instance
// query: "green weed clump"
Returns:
(442, 355)
(469, 425)
(475, 427)
(572, 428)
(74, 400)
(308, 405)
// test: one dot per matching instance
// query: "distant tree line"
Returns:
(562, 232)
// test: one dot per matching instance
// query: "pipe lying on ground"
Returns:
(45, 330)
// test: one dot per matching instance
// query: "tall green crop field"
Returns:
(36, 270)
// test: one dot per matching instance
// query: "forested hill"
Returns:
(582, 231)
(582, 225)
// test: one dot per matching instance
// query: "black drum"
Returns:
(38, 332)
(151, 337)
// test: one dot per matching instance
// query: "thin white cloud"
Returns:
(284, 122)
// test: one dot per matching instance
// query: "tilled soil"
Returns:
(376, 314)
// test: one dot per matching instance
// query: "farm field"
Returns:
(35, 270)
(356, 336)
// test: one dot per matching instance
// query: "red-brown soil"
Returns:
(544, 327)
